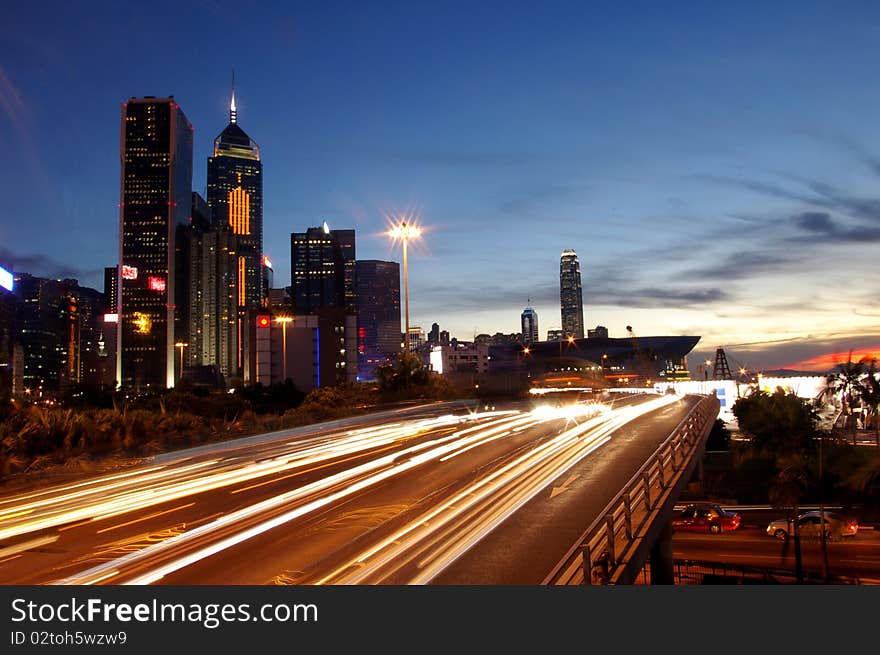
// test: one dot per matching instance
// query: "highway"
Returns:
(409, 497)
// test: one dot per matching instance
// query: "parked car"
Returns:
(705, 517)
(837, 526)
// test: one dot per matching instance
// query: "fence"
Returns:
(604, 549)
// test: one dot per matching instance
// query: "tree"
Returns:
(408, 371)
(870, 394)
(847, 385)
(719, 437)
(783, 428)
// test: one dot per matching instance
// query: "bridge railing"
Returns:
(606, 545)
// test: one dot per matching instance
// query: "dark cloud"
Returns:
(823, 225)
(821, 195)
(835, 200)
(654, 297)
(743, 264)
(44, 266)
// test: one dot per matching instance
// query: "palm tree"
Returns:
(870, 395)
(847, 384)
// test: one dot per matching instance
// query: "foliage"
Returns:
(409, 378)
(779, 424)
(719, 437)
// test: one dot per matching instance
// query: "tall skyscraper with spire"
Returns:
(235, 196)
(571, 295)
(156, 162)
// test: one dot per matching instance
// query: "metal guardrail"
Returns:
(604, 548)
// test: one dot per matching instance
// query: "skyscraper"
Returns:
(529, 320)
(235, 196)
(378, 314)
(111, 287)
(156, 168)
(322, 265)
(570, 295)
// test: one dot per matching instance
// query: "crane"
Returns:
(644, 368)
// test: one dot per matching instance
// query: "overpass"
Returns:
(429, 495)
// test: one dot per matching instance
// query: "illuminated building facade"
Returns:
(49, 323)
(378, 314)
(156, 163)
(529, 320)
(571, 295)
(235, 196)
(9, 336)
(111, 287)
(323, 269)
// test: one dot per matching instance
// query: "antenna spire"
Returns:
(233, 115)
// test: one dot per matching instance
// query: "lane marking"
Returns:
(145, 518)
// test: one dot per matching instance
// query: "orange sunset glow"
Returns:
(828, 361)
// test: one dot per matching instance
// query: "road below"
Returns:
(431, 495)
(750, 546)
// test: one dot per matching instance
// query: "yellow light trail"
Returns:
(159, 560)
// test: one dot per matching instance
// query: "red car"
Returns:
(705, 517)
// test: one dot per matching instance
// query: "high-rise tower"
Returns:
(378, 313)
(570, 295)
(156, 162)
(529, 320)
(322, 263)
(235, 196)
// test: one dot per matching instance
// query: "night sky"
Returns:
(716, 166)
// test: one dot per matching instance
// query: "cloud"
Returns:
(821, 195)
(44, 266)
(654, 297)
(742, 264)
(823, 225)
(795, 353)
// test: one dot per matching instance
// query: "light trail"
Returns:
(539, 466)
(486, 503)
(111, 496)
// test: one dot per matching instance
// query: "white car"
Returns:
(837, 526)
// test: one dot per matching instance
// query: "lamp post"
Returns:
(181, 345)
(284, 320)
(405, 231)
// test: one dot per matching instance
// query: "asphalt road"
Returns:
(416, 496)
(750, 546)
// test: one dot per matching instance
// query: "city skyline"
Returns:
(730, 195)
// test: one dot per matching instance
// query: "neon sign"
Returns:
(129, 272)
(156, 283)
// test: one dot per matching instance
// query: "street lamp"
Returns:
(570, 343)
(405, 231)
(284, 320)
(181, 345)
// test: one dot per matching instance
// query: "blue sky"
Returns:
(716, 166)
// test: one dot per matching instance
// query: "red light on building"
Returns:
(129, 272)
(156, 283)
(263, 321)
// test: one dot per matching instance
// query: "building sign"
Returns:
(129, 272)
(142, 323)
(6, 280)
(156, 283)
